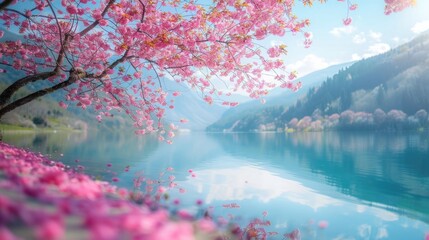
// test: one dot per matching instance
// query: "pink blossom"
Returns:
(274, 52)
(53, 176)
(265, 213)
(171, 134)
(347, 21)
(323, 224)
(208, 99)
(294, 235)
(292, 75)
(63, 105)
(71, 9)
(50, 229)
(103, 22)
(177, 231)
(183, 214)
(5, 234)
(206, 225)
(96, 14)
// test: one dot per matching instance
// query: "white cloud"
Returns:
(376, 36)
(362, 37)
(420, 27)
(236, 184)
(379, 48)
(372, 50)
(382, 233)
(339, 31)
(359, 38)
(364, 231)
(385, 215)
(308, 64)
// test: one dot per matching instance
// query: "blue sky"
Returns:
(370, 33)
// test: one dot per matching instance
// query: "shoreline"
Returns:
(45, 199)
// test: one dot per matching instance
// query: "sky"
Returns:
(370, 33)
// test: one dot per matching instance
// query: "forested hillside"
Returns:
(274, 102)
(368, 90)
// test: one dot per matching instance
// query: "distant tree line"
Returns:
(394, 120)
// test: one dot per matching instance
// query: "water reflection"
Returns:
(92, 150)
(51, 143)
(368, 186)
(388, 169)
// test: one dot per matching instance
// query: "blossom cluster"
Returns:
(114, 55)
(397, 5)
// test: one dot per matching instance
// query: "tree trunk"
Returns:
(74, 76)
(9, 91)
(5, 3)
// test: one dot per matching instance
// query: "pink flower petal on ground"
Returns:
(50, 229)
(185, 215)
(177, 231)
(206, 225)
(5, 234)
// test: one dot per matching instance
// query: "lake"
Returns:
(356, 185)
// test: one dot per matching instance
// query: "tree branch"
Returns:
(9, 91)
(94, 24)
(74, 76)
(116, 63)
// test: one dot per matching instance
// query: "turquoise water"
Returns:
(364, 185)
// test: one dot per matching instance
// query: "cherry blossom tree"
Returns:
(112, 54)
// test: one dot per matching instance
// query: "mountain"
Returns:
(278, 97)
(396, 80)
(46, 112)
(190, 105)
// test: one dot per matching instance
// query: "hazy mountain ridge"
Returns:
(275, 101)
(398, 79)
(45, 112)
